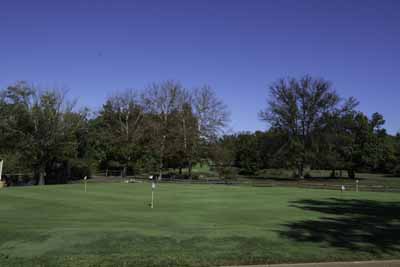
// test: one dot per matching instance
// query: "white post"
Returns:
(85, 183)
(153, 186)
(1, 168)
(356, 185)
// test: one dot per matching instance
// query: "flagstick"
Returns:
(1, 168)
(85, 183)
(153, 186)
(2, 183)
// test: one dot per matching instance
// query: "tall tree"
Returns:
(212, 113)
(15, 103)
(44, 125)
(298, 109)
(188, 129)
(338, 138)
(122, 116)
(213, 118)
(162, 102)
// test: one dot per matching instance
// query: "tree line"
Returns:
(167, 126)
(164, 126)
(312, 127)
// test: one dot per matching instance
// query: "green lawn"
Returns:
(193, 225)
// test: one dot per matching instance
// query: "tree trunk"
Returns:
(185, 145)
(351, 173)
(68, 170)
(160, 175)
(162, 155)
(190, 167)
(161, 167)
(124, 170)
(41, 178)
(333, 173)
(301, 171)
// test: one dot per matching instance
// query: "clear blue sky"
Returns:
(94, 48)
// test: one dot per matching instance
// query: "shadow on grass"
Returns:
(359, 225)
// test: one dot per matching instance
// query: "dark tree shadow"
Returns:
(360, 225)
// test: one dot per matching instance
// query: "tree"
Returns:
(122, 116)
(188, 130)
(246, 148)
(355, 142)
(222, 153)
(43, 126)
(336, 144)
(377, 141)
(212, 113)
(298, 109)
(213, 117)
(15, 104)
(396, 149)
(161, 103)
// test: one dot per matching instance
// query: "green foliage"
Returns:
(41, 129)
(396, 170)
(227, 172)
(297, 109)
(274, 173)
(79, 169)
(12, 164)
(168, 126)
(324, 134)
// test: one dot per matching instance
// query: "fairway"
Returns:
(193, 225)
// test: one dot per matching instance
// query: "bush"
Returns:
(274, 173)
(79, 169)
(247, 171)
(307, 175)
(396, 170)
(351, 173)
(227, 172)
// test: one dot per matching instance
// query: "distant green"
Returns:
(193, 225)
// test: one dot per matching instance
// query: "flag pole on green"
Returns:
(153, 186)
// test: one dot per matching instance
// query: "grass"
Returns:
(202, 170)
(193, 225)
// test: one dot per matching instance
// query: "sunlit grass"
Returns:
(191, 225)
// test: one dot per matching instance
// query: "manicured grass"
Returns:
(202, 170)
(193, 225)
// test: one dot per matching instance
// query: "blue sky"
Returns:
(93, 48)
